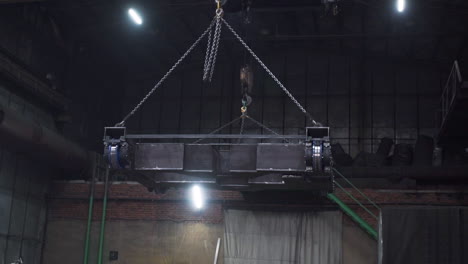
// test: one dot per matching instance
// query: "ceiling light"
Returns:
(135, 16)
(197, 197)
(400, 5)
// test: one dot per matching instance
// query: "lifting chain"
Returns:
(207, 58)
(241, 130)
(217, 36)
(210, 60)
(243, 116)
(213, 45)
(122, 123)
(315, 123)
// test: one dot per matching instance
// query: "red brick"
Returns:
(133, 201)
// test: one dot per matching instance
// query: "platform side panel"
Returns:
(280, 157)
(159, 156)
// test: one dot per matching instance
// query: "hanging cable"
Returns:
(210, 61)
(218, 129)
(266, 128)
(241, 130)
(243, 116)
(213, 45)
(122, 123)
(207, 57)
(315, 123)
(217, 36)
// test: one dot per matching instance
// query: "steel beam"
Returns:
(210, 136)
(30, 83)
(19, 1)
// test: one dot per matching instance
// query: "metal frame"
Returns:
(212, 136)
(451, 89)
(243, 166)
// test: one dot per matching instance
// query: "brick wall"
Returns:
(132, 201)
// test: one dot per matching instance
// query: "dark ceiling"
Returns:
(433, 30)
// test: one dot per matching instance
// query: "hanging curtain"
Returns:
(424, 235)
(253, 237)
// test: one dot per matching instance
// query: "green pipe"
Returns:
(90, 217)
(361, 222)
(103, 219)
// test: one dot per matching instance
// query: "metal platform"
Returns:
(225, 161)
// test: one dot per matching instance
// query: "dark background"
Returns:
(367, 72)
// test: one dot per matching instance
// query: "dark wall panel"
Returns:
(23, 186)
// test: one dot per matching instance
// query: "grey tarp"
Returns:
(253, 237)
(426, 235)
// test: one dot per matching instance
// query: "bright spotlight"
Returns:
(135, 16)
(197, 197)
(400, 5)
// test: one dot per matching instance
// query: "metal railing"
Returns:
(450, 92)
(357, 218)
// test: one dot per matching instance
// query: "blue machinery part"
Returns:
(116, 147)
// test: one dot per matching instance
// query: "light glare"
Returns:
(197, 197)
(401, 4)
(135, 16)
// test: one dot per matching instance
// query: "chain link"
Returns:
(210, 65)
(217, 37)
(270, 73)
(122, 123)
(241, 130)
(212, 48)
(207, 57)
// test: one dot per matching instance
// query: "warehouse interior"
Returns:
(234, 131)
